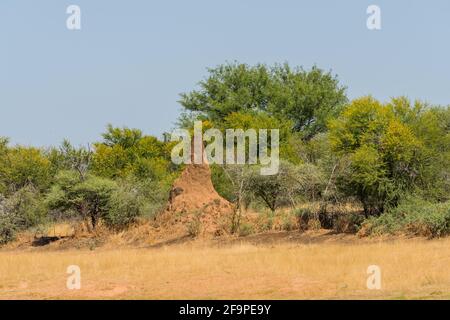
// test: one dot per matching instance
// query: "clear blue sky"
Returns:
(131, 59)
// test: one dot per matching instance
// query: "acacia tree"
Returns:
(89, 197)
(22, 166)
(124, 152)
(383, 156)
(68, 157)
(307, 98)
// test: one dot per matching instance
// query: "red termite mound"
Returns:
(195, 206)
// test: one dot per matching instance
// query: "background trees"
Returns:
(125, 176)
(22, 166)
(382, 153)
(307, 98)
(382, 158)
(372, 152)
(298, 102)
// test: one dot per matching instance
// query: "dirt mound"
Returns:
(195, 207)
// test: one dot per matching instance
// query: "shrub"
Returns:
(8, 227)
(383, 156)
(304, 215)
(245, 229)
(348, 222)
(280, 189)
(265, 221)
(23, 166)
(194, 226)
(89, 197)
(288, 222)
(125, 206)
(22, 210)
(413, 216)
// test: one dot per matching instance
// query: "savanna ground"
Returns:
(277, 265)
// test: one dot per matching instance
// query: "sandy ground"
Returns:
(274, 266)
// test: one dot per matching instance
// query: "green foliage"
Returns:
(222, 183)
(261, 120)
(3, 169)
(289, 182)
(433, 128)
(9, 226)
(381, 155)
(22, 166)
(246, 229)
(126, 152)
(124, 137)
(68, 157)
(277, 189)
(307, 98)
(21, 210)
(413, 216)
(377, 153)
(126, 204)
(89, 197)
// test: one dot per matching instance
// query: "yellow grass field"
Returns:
(411, 269)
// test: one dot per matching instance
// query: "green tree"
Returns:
(89, 197)
(127, 202)
(22, 166)
(284, 187)
(307, 98)
(381, 155)
(126, 152)
(68, 157)
(23, 209)
(433, 128)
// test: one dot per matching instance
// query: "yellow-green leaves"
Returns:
(384, 153)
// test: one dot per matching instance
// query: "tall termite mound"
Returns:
(195, 206)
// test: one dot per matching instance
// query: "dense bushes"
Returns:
(126, 203)
(22, 166)
(89, 197)
(127, 175)
(333, 152)
(22, 210)
(382, 154)
(413, 216)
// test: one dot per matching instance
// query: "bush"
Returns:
(245, 229)
(348, 223)
(90, 197)
(8, 223)
(124, 207)
(304, 215)
(383, 157)
(22, 210)
(194, 226)
(413, 216)
(23, 166)
(280, 189)
(288, 222)
(265, 221)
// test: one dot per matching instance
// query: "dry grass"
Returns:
(410, 269)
